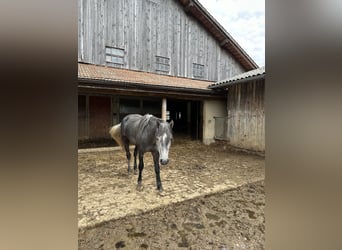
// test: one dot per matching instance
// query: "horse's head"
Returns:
(163, 140)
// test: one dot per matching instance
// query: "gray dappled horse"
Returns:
(149, 134)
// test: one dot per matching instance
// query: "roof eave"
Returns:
(227, 84)
(133, 85)
(214, 27)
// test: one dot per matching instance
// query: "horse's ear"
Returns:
(171, 123)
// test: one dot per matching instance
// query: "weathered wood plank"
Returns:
(147, 28)
(246, 115)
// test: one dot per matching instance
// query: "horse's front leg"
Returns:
(135, 159)
(157, 170)
(141, 167)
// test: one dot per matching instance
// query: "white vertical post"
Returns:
(164, 108)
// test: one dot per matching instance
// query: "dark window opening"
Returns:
(129, 106)
(162, 64)
(152, 107)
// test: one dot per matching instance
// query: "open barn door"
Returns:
(187, 116)
(197, 120)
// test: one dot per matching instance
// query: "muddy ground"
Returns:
(213, 199)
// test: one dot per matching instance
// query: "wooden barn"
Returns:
(244, 125)
(153, 56)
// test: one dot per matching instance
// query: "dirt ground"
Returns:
(213, 199)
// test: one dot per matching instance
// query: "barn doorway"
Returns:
(187, 116)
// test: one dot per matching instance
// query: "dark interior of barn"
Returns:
(106, 111)
(187, 118)
(185, 114)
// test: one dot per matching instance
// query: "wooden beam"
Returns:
(164, 108)
(188, 6)
(224, 42)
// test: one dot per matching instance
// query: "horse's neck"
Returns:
(147, 129)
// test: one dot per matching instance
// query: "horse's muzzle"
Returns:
(164, 162)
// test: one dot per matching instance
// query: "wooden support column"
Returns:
(164, 108)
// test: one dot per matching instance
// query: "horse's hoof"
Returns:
(160, 189)
(139, 187)
(135, 172)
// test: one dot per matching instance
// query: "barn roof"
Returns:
(126, 80)
(194, 8)
(255, 74)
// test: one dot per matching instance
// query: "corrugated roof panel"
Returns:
(246, 75)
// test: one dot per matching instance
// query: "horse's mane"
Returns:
(144, 121)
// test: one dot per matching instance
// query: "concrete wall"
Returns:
(212, 108)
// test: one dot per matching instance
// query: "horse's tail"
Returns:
(115, 133)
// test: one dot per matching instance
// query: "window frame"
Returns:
(197, 70)
(162, 61)
(115, 55)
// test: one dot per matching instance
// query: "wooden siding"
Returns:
(99, 116)
(246, 115)
(149, 28)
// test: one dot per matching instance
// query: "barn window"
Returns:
(115, 55)
(162, 64)
(198, 70)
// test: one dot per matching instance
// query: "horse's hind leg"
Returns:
(157, 170)
(135, 159)
(128, 155)
(141, 167)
